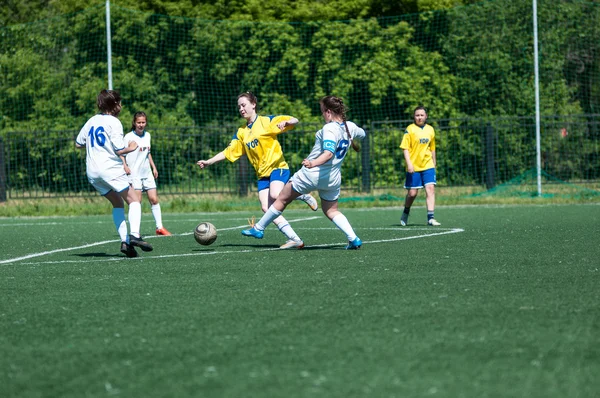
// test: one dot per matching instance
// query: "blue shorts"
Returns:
(282, 175)
(419, 179)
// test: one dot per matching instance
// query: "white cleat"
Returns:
(433, 222)
(293, 244)
(310, 201)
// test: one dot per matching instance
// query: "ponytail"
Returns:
(336, 105)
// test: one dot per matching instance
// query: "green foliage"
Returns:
(188, 71)
(470, 62)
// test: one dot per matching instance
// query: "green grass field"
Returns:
(501, 301)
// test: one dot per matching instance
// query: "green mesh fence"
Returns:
(471, 66)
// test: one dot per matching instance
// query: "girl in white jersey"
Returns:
(321, 171)
(102, 137)
(142, 171)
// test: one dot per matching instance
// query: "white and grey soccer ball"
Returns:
(205, 233)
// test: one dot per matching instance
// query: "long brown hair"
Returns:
(336, 105)
(108, 102)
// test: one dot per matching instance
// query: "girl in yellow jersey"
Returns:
(321, 171)
(418, 145)
(257, 139)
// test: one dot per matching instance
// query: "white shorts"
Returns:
(118, 184)
(143, 184)
(305, 181)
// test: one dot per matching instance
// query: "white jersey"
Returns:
(138, 160)
(102, 136)
(327, 178)
(333, 137)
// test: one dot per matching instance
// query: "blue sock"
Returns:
(429, 215)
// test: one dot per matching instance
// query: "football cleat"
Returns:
(310, 201)
(253, 232)
(433, 222)
(404, 219)
(354, 244)
(162, 231)
(141, 243)
(293, 244)
(128, 250)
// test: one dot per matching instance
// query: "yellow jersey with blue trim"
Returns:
(420, 142)
(258, 140)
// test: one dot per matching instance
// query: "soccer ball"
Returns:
(205, 233)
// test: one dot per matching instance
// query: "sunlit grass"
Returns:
(471, 195)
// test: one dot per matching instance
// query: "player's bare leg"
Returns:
(408, 201)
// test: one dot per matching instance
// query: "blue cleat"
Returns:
(355, 244)
(253, 232)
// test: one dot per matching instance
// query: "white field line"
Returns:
(446, 232)
(478, 206)
(66, 249)
(33, 255)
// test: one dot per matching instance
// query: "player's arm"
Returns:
(321, 159)
(215, 159)
(328, 151)
(125, 165)
(281, 123)
(118, 140)
(357, 134)
(289, 124)
(152, 166)
(129, 148)
(233, 152)
(432, 148)
(409, 166)
(81, 139)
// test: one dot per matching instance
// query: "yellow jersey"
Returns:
(258, 140)
(420, 142)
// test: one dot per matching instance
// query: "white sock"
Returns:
(118, 215)
(135, 218)
(157, 215)
(287, 230)
(342, 223)
(267, 218)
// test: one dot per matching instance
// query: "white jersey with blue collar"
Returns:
(102, 135)
(327, 178)
(138, 160)
(333, 137)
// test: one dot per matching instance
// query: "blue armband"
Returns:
(329, 146)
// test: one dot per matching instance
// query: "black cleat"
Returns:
(128, 250)
(141, 243)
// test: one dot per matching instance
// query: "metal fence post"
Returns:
(490, 175)
(2, 173)
(366, 163)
